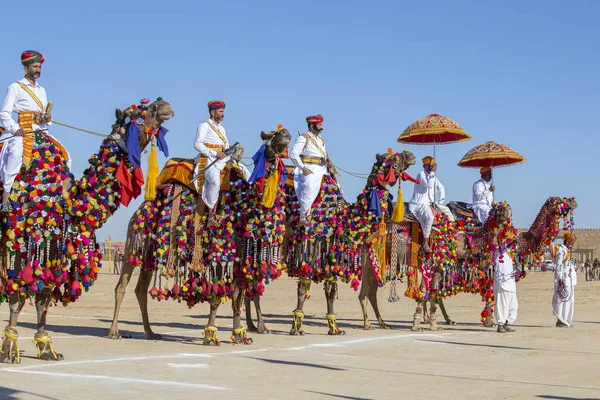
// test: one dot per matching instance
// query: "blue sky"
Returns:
(519, 73)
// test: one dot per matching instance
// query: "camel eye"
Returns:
(395, 166)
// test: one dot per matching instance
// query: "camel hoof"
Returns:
(114, 335)
(294, 332)
(435, 328)
(10, 358)
(336, 332)
(369, 327)
(383, 325)
(208, 342)
(263, 331)
(450, 322)
(47, 356)
(153, 336)
(416, 329)
(252, 328)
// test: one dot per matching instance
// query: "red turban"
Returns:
(315, 119)
(216, 105)
(31, 57)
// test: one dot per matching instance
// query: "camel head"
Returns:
(501, 213)
(389, 167)
(146, 117)
(277, 143)
(572, 203)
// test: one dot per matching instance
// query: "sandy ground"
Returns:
(462, 361)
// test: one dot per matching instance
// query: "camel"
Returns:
(233, 259)
(342, 240)
(469, 251)
(49, 248)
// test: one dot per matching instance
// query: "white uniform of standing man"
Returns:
(483, 195)
(424, 197)
(18, 100)
(565, 279)
(311, 161)
(505, 292)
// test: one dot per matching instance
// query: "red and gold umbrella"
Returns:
(433, 129)
(491, 154)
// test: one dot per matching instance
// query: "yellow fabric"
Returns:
(568, 236)
(398, 215)
(270, 192)
(33, 96)
(428, 160)
(312, 160)
(26, 123)
(485, 170)
(177, 170)
(203, 161)
(152, 175)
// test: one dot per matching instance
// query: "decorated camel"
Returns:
(466, 259)
(168, 238)
(49, 250)
(341, 240)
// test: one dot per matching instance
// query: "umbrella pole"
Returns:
(434, 191)
(492, 183)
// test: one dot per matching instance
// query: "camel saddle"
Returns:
(460, 209)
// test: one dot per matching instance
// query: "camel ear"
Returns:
(266, 136)
(379, 157)
(119, 114)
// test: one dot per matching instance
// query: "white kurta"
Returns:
(563, 307)
(212, 177)
(482, 200)
(17, 100)
(505, 290)
(423, 197)
(308, 186)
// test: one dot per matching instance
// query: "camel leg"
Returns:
(262, 328)
(417, 317)
(373, 300)
(362, 298)
(210, 330)
(126, 273)
(425, 313)
(141, 292)
(249, 322)
(303, 294)
(10, 346)
(489, 320)
(433, 326)
(445, 314)
(238, 335)
(330, 288)
(42, 339)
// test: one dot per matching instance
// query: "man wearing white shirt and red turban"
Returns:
(26, 98)
(312, 163)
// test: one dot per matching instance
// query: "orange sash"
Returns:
(202, 164)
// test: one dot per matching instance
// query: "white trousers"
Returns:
(506, 306)
(424, 215)
(482, 211)
(211, 187)
(564, 309)
(11, 160)
(307, 189)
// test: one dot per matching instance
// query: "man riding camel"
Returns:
(483, 195)
(211, 141)
(312, 162)
(423, 199)
(28, 100)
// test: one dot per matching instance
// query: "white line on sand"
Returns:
(118, 379)
(187, 365)
(239, 352)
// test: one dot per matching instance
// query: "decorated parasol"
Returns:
(433, 129)
(492, 155)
